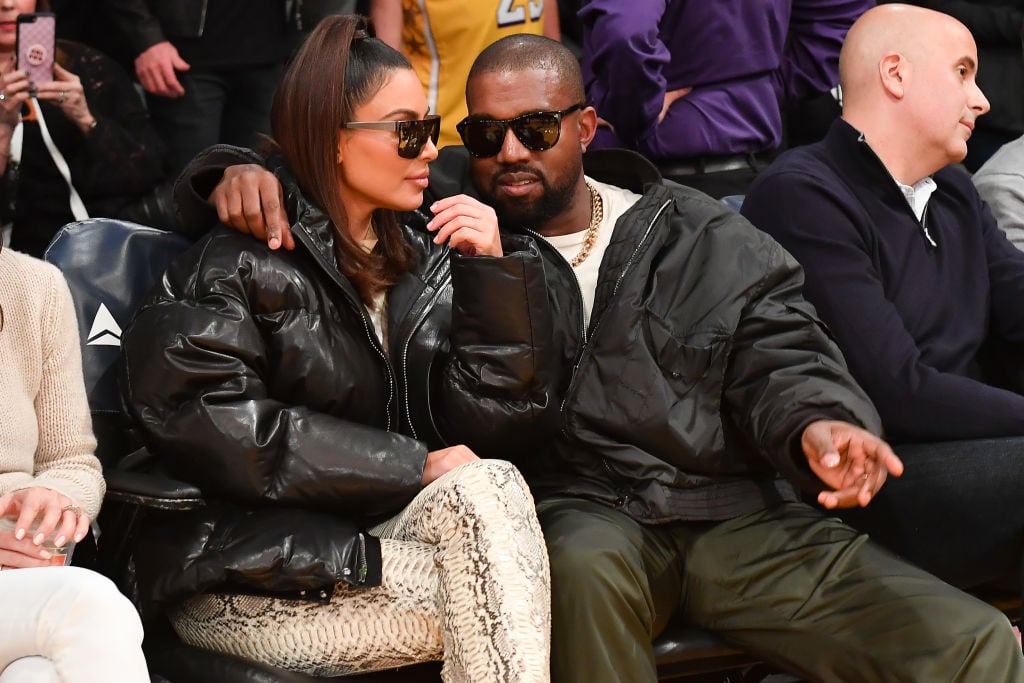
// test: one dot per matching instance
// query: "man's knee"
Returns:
(595, 566)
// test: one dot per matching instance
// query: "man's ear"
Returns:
(588, 126)
(892, 69)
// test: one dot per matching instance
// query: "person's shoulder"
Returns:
(221, 256)
(28, 270)
(1008, 160)
(805, 160)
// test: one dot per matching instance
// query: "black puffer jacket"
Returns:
(256, 375)
(702, 364)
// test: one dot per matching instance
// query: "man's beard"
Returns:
(522, 214)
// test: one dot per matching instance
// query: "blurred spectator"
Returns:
(442, 38)
(996, 26)
(209, 67)
(700, 87)
(97, 123)
(1000, 182)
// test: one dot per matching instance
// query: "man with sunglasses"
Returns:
(694, 373)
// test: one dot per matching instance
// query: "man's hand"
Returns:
(670, 97)
(443, 461)
(467, 225)
(156, 68)
(249, 199)
(851, 461)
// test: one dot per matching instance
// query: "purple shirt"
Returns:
(741, 57)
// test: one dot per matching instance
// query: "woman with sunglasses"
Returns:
(342, 533)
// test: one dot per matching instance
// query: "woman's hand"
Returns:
(59, 516)
(467, 225)
(66, 92)
(445, 460)
(19, 554)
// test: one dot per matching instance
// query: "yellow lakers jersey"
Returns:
(442, 38)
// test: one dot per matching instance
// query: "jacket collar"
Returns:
(849, 152)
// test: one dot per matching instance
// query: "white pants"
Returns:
(67, 625)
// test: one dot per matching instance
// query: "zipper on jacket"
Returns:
(615, 290)
(361, 310)
(363, 567)
(923, 220)
(404, 358)
(375, 343)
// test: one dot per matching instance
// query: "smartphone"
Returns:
(35, 41)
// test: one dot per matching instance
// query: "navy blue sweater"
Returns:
(909, 317)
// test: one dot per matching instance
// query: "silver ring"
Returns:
(73, 508)
(3, 96)
(63, 96)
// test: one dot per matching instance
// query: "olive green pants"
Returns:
(789, 585)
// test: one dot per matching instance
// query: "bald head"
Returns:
(524, 52)
(908, 77)
(912, 32)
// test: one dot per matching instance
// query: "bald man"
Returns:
(907, 266)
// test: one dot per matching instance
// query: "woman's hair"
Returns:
(339, 68)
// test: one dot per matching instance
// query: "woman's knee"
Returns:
(96, 596)
(484, 479)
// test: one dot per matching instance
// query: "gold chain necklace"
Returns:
(596, 215)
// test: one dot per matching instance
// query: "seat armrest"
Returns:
(151, 490)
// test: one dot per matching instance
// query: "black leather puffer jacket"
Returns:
(256, 375)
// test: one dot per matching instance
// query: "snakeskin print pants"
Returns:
(465, 580)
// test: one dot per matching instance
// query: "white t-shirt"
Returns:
(616, 201)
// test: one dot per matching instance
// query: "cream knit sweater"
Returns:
(45, 430)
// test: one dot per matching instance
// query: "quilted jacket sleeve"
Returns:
(497, 393)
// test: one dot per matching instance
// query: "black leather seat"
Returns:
(110, 265)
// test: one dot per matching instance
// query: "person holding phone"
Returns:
(97, 124)
(321, 400)
(59, 623)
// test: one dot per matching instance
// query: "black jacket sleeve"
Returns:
(786, 372)
(197, 180)
(497, 394)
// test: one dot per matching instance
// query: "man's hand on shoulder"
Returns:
(851, 461)
(249, 199)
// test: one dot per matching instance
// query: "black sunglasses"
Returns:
(412, 135)
(538, 131)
